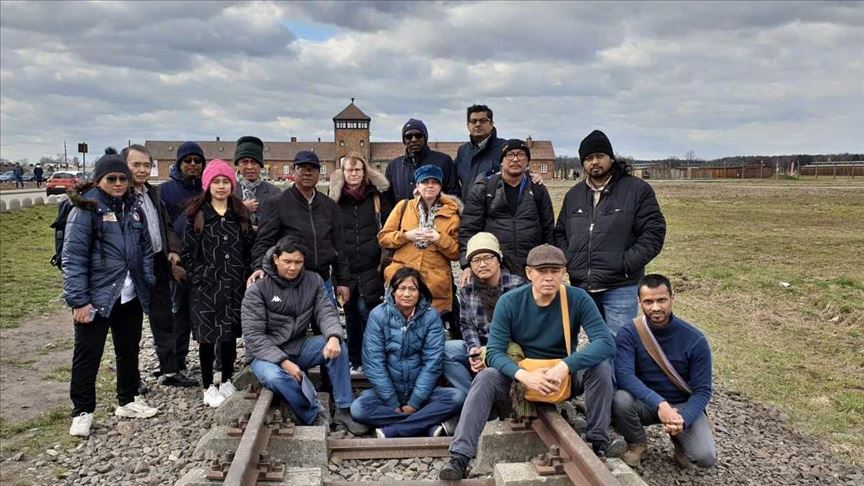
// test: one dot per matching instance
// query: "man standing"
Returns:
(166, 249)
(511, 206)
(480, 155)
(18, 175)
(277, 311)
(38, 175)
(184, 185)
(400, 171)
(251, 189)
(531, 317)
(610, 226)
(677, 396)
(477, 301)
(308, 215)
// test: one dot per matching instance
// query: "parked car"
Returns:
(61, 181)
(285, 177)
(8, 176)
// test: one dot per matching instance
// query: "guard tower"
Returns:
(351, 132)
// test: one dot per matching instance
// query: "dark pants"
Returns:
(125, 324)
(632, 415)
(182, 322)
(206, 355)
(370, 409)
(162, 316)
(490, 387)
(356, 315)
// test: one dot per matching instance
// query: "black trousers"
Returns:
(125, 324)
(182, 322)
(207, 352)
(162, 316)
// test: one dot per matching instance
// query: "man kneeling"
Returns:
(648, 394)
(277, 311)
(531, 316)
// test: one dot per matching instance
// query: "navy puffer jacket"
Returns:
(472, 162)
(403, 359)
(95, 265)
(176, 193)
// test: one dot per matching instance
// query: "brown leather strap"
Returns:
(565, 317)
(376, 201)
(656, 352)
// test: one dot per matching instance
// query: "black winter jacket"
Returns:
(360, 226)
(472, 163)
(400, 174)
(316, 224)
(610, 245)
(531, 225)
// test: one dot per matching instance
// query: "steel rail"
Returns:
(580, 463)
(244, 468)
(394, 448)
(416, 482)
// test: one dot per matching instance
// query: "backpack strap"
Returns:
(656, 352)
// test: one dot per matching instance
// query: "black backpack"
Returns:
(59, 227)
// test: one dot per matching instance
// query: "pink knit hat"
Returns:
(218, 167)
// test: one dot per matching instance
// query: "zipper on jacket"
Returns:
(314, 233)
(592, 209)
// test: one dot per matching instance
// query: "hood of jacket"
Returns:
(89, 197)
(376, 179)
(178, 176)
(270, 271)
(423, 304)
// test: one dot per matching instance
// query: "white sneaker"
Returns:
(226, 389)
(136, 409)
(81, 425)
(217, 377)
(357, 370)
(212, 397)
(380, 434)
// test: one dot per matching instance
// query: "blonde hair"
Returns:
(355, 157)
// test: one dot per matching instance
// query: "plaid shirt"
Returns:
(472, 315)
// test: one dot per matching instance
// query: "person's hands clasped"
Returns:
(673, 422)
(414, 234)
(332, 349)
(477, 364)
(536, 380)
(558, 373)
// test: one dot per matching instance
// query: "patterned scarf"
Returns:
(248, 190)
(427, 219)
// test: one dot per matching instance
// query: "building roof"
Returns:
(386, 151)
(351, 112)
(281, 151)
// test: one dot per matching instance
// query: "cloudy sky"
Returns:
(659, 78)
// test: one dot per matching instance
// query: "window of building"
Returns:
(544, 168)
(323, 170)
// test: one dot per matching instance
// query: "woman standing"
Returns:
(424, 234)
(216, 253)
(403, 356)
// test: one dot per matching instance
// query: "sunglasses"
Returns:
(414, 136)
(195, 161)
(115, 179)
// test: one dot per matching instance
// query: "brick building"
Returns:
(351, 128)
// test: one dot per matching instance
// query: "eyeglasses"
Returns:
(414, 136)
(483, 259)
(193, 161)
(353, 171)
(115, 179)
(478, 121)
(515, 155)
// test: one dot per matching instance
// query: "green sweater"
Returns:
(540, 333)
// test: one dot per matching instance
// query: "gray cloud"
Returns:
(660, 78)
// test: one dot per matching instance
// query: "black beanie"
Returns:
(513, 144)
(595, 142)
(108, 163)
(251, 147)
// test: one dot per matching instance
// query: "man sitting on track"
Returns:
(649, 394)
(277, 311)
(531, 316)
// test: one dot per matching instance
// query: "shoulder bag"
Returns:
(531, 364)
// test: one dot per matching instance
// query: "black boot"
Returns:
(343, 417)
(455, 469)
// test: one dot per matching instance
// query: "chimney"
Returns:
(293, 139)
(218, 140)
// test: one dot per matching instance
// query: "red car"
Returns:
(60, 182)
(285, 177)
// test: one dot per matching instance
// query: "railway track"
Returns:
(250, 464)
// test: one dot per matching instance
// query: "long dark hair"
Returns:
(193, 211)
(408, 272)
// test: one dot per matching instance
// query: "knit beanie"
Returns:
(251, 147)
(413, 124)
(595, 142)
(215, 168)
(108, 163)
(514, 144)
(189, 148)
(483, 242)
(429, 171)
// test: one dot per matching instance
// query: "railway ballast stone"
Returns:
(524, 474)
(500, 444)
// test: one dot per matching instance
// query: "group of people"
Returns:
(18, 175)
(217, 253)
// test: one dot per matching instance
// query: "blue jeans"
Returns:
(272, 376)
(457, 371)
(356, 315)
(617, 306)
(328, 286)
(442, 404)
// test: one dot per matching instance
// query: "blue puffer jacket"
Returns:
(95, 265)
(403, 359)
(175, 193)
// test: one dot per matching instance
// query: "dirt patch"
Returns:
(32, 359)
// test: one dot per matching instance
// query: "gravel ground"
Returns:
(756, 447)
